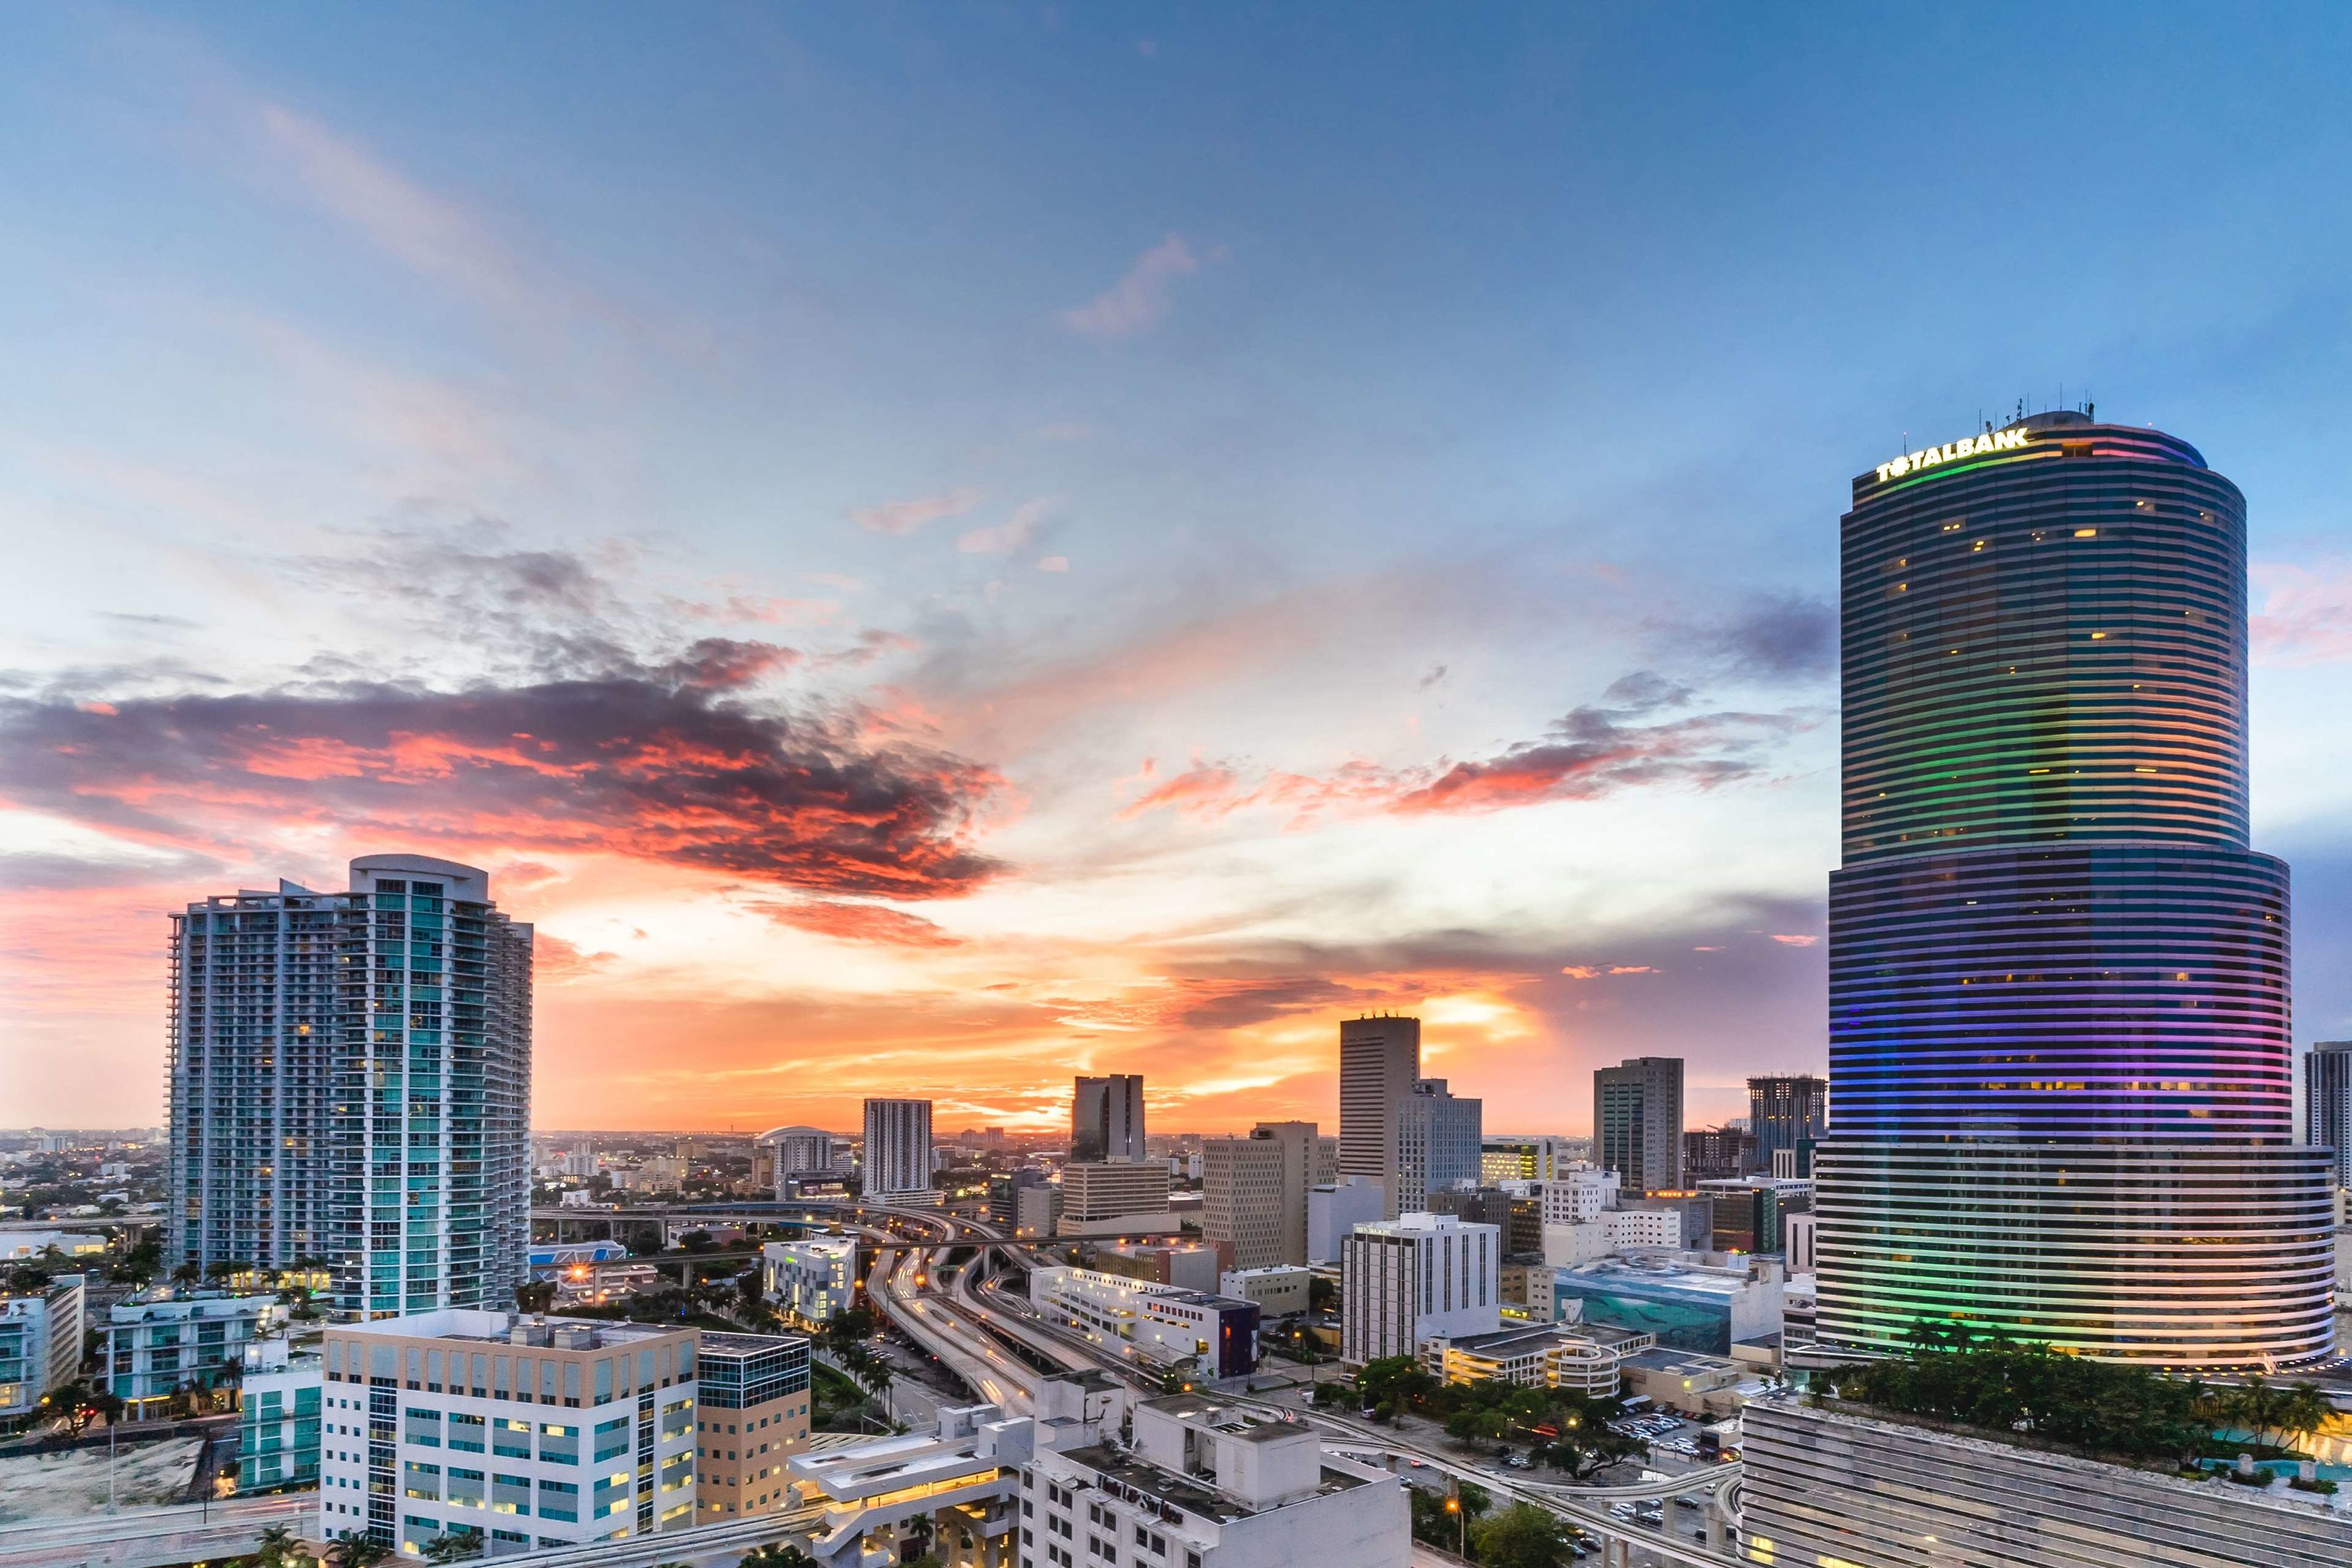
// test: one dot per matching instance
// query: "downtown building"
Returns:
(1637, 1122)
(2327, 1104)
(895, 1163)
(1106, 1118)
(2059, 1042)
(1379, 1064)
(349, 1082)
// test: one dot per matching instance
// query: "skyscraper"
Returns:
(2059, 1038)
(1379, 1061)
(1637, 1123)
(1437, 1143)
(896, 1163)
(1254, 1193)
(350, 1079)
(1106, 1118)
(2327, 1104)
(1785, 1110)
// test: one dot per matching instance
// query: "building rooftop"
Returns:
(1138, 1480)
(499, 1328)
(748, 1344)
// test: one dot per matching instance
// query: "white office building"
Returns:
(1161, 1325)
(40, 1342)
(1613, 1232)
(1203, 1485)
(1406, 1279)
(519, 1433)
(1578, 1193)
(812, 1279)
(161, 1342)
(1335, 1208)
(350, 1078)
(897, 1165)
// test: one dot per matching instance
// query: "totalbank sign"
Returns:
(1952, 451)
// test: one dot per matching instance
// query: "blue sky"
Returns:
(1170, 444)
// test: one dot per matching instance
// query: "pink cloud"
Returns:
(1139, 299)
(906, 516)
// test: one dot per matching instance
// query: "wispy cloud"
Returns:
(906, 516)
(1141, 299)
(1014, 533)
(2305, 616)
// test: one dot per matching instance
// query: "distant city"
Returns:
(2051, 1176)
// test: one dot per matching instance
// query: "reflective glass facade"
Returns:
(2060, 1054)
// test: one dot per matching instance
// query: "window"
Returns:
(466, 1432)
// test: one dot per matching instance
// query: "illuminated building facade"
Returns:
(2059, 1043)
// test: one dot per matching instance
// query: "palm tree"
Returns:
(276, 1544)
(352, 1549)
(2303, 1410)
(455, 1546)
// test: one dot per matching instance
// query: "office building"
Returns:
(812, 1279)
(1437, 1143)
(279, 1428)
(1254, 1193)
(1403, 1280)
(1037, 1211)
(1204, 1485)
(1525, 1159)
(1106, 1118)
(1637, 1122)
(162, 1341)
(1687, 1305)
(1379, 1062)
(1168, 1326)
(1192, 1264)
(1578, 1193)
(1116, 1199)
(752, 1415)
(41, 1341)
(2059, 1047)
(1518, 1218)
(515, 1433)
(1786, 1110)
(1717, 1154)
(2327, 1104)
(1004, 1189)
(350, 1078)
(1334, 1209)
(1280, 1292)
(1799, 1246)
(1751, 1214)
(1846, 1484)
(897, 1161)
(786, 1152)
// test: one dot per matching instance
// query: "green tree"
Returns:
(276, 1545)
(535, 1295)
(850, 1326)
(1521, 1536)
(352, 1549)
(697, 1241)
(781, 1554)
(455, 1546)
(1322, 1296)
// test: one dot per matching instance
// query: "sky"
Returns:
(932, 549)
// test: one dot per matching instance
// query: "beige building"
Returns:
(751, 1414)
(1254, 1193)
(1587, 1361)
(1116, 1197)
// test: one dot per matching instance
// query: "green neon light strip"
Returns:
(2032, 455)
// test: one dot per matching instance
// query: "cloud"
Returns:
(670, 765)
(1772, 637)
(1598, 971)
(858, 922)
(1795, 939)
(1139, 298)
(906, 516)
(1052, 563)
(1593, 752)
(2305, 615)
(1011, 534)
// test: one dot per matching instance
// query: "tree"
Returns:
(455, 1546)
(226, 1268)
(1322, 1296)
(697, 1241)
(187, 1274)
(535, 1295)
(781, 1554)
(352, 1549)
(1521, 1536)
(850, 1326)
(276, 1545)
(1391, 1384)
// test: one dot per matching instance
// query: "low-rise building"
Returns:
(812, 1279)
(1195, 1265)
(1037, 1211)
(1583, 1361)
(961, 1477)
(1116, 1197)
(1832, 1484)
(752, 1415)
(159, 1342)
(41, 1341)
(28, 1245)
(1525, 1289)
(1406, 1279)
(1207, 1487)
(1687, 1304)
(518, 1432)
(1682, 1379)
(1578, 1193)
(1334, 1209)
(1162, 1325)
(1279, 1292)
(1540, 1158)
(277, 1426)
(1613, 1232)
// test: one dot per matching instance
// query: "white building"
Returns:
(40, 1342)
(1611, 1233)
(1162, 1325)
(163, 1340)
(1799, 1248)
(1208, 1487)
(812, 1279)
(1578, 1193)
(1336, 1208)
(350, 1078)
(795, 1151)
(519, 1432)
(896, 1163)
(1589, 1362)
(277, 1417)
(1279, 1292)
(25, 1245)
(1406, 1279)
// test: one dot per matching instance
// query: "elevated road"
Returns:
(153, 1537)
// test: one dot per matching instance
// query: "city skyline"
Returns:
(895, 629)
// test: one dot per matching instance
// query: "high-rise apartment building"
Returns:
(1437, 1143)
(1785, 1110)
(1379, 1062)
(2058, 1044)
(1637, 1123)
(1106, 1118)
(896, 1163)
(350, 1079)
(2327, 1103)
(1254, 1193)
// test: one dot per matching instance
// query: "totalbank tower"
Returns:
(2060, 1063)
